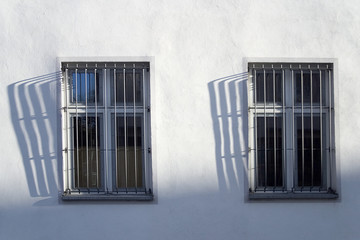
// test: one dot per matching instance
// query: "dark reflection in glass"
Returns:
(86, 151)
(269, 172)
(307, 87)
(309, 157)
(269, 86)
(130, 172)
(129, 87)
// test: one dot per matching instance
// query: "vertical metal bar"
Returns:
(330, 126)
(66, 128)
(302, 125)
(134, 109)
(144, 128)
(312, 131)
(255, 124)
(115, 131)
(283, 126)
(96, 133)
(86, 134)
(265, 128)
(274, 119)
(125, 133)
(293, 124)
(77, 128)
(321, 114)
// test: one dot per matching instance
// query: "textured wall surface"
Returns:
(199, 115)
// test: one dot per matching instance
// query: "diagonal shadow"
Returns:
(33, 104)
(228, 100)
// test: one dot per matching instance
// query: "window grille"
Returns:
(291, 130)
(106, 130)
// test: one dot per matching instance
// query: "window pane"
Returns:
(308, 87)
(260, 133)
(316, 88)
(259, 87)
(278, 86)
(84, 87)
(132, 79)
(317, 168)
(86, 152)
(309, 161)
(270, 81)
(129, 155)
(269, 152)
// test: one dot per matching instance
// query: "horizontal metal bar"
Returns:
(107, 65)
(294, 66)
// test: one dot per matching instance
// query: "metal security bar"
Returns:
(291, 100)
(106, 113)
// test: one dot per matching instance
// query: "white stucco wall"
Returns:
(198, 160)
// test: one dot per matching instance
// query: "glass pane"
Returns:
(324, 86)
(278, 86)
(260, 133)
(316, 88)
(86, 152)
(269, 159)
(309, 161)
(132, 79)
(317, 168)
(259, 87)
(84, 87)
(271, 80)
(308, 87)
(129, 157)
(260, 170)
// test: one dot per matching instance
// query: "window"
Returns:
(106, 130)
(291, 130)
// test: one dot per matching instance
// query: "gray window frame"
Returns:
(106, 110)
(289, 111)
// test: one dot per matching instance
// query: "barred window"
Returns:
(291, 130)
(106, 130)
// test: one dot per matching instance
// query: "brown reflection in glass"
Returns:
(86, 152)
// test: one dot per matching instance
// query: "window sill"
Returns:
(107, 197)
(291, 195)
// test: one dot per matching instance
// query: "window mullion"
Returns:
(107, 130)
(289, 129)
